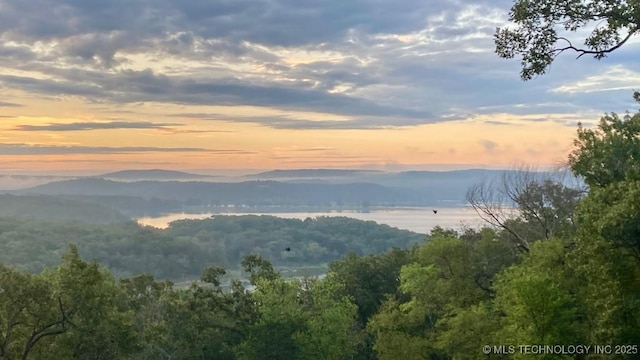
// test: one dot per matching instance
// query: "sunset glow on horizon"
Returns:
(281, 85)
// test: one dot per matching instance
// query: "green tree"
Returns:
(548, 207)
(400, 333)
(538, 299)
(147, 299)
(298, 319)
(331, 319)
(258, 268)
(544, 30)
(606, 251)
(368, 281)
(74, 311)
(463, 332)
(31, 313)
(203, 321)
(613, 215)
(280, 318)
(608, 153)
(606, 260)
(527, 205)
(103, 325)
(450, 280)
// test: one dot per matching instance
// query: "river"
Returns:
(417, 219)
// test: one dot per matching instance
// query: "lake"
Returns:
(418, 219)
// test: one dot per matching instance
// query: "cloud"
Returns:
(499, 123)
(311, 149)
(614, 78)
(313, 50)
(79, 126)
(489, 145)
(169, 131)
(384, 63)
(143, 86)
(25, 149)
(8, 104)
(298, 123)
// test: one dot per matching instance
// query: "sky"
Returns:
(94, 86)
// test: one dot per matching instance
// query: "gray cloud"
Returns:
(77, 126)
(488, 145)
(291, 22)
(142, 86)
(24, 149)
(313, 149)
(8, 104)
(286, 122)
(499, 123)
(390, 63)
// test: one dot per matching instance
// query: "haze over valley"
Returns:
(156, 192)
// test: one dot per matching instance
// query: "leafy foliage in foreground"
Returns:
(79, 310)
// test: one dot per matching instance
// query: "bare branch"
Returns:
(526, 204)
(490, 206)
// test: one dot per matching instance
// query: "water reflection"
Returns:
(418, 219)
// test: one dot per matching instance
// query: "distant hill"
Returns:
(153, 174)
(461, 179)
(357, 189)
(407, 179)
(252, 193)
(21, 181)
(311, 173)
(441, 185)
(449, 182)
(50, 208)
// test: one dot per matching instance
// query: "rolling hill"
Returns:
(54, 209)
(152, 174)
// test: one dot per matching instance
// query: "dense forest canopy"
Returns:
(187, 246)
(50, 208)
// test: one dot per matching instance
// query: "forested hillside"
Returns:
(186, 247)
(49, 208)
(244, 193)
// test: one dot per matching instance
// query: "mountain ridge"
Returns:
(319, 172)
(152, 174)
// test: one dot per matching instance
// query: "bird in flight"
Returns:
(435, 211)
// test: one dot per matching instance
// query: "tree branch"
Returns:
(48, 330)
(598, 53)
(481, 197)
(488, 290)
